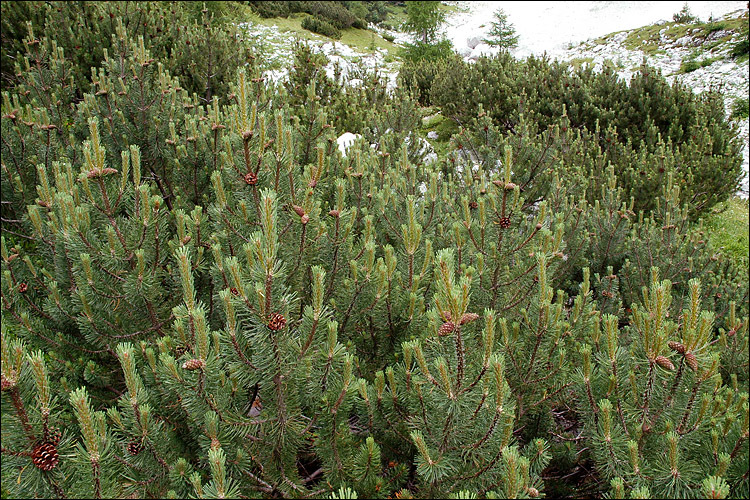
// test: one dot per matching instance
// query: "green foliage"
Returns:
(741, 108)
(663, 393)
(503, 33)
(318, 25)
(195, 44)
(205, 297)
(689, 66)
(684, 16)
(274, 8)
(423, 20)
(416, 52)
(327, 16)
(712, 27)
(648, 123)
(742, 47)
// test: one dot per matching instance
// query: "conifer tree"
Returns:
(202, 296)
(502, 34)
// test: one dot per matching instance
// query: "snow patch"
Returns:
(345, 141)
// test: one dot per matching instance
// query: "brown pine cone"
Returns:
(276, 321)
(473, 205)
(505, 222)
(23, 287)
(676, 346)
(691, 361)
(193, 364)
(468, 318)
(664, 362)
(45, 456)
(446, 328)
(251, 179)
(135, 447)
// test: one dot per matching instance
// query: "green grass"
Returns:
(444, 127)
(693, 64)
(579, 62)
(359, 39)
(741, 108)
(362, 40)
(729, 228)
(648, 38)
(365, 40)
(293, 24)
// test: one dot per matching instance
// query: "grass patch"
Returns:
(367, 41)
(579, 62)
(729, 229)
(741, 108)
(292, 24)
(360, 39)
(444, 127)
(693, 64)
(649, 38)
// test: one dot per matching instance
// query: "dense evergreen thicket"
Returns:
(339, 14)
(646, 128)
(202, 296)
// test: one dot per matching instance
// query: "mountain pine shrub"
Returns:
(204, 297)
(659, 127)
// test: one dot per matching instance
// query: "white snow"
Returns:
(550, 27)
(345, 141)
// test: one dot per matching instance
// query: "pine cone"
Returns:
(45, 456)
(532, 492)
(298, 210)
(23, 287)
(676, 346)
(234, 291)
(193, 364)
(54, 435)
(5, 383)
(446, 328)
(664, 362)
(135, 447)
(505, 222)
(691, 361)
(251, 179)
(473, 205)
(276, 321)
(468, 318)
